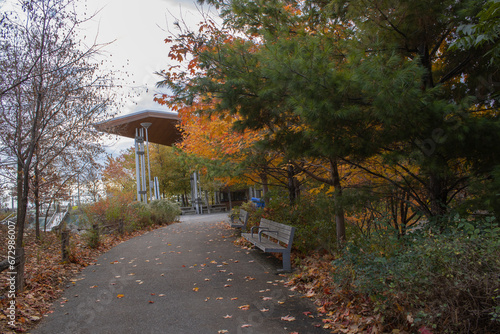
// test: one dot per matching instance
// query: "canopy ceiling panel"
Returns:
(163, 129)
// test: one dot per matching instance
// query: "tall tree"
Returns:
(61, 95)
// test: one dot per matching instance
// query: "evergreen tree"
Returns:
(350, 81)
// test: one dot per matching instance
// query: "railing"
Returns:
(12, 216)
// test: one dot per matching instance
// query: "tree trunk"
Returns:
(339, 209)
(437, 195)
(22, 205)
(292, 193)
(36, 192)
(265, 186)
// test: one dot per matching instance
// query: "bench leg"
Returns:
(287, 266)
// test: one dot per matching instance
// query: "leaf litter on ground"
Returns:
(46, 276)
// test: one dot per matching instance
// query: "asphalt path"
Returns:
(185, 278)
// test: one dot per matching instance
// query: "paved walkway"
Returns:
(186, 278)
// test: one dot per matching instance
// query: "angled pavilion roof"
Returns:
(163, 129)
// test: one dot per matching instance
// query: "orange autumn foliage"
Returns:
(212, 136)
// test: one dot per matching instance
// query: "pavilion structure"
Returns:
(163, 129)
(159, 127)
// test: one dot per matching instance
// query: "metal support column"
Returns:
(140, 166)
(196, 196)
(156, 188)
(137, 166)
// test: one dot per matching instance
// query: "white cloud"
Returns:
(138, 29)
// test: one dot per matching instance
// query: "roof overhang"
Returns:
(163, 129)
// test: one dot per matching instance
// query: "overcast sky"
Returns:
(138, 29)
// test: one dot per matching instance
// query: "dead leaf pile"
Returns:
(243, 243)
(342, 311)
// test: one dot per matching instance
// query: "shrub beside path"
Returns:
(183, 278)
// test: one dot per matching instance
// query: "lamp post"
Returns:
(146, 125)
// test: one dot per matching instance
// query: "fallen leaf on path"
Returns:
(222, 331)
(246, 326)
(264, 310)
(310, 294)
(227, 316)
(120, 296)
(288, 318)
(196, 289)
(244, 307)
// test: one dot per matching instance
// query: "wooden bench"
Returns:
(269, 236)
(217, 208)
(241, 220)
(187, 210)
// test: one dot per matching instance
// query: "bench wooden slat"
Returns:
(265, 244)
(268, 235)
(241, 221)
(283, 231)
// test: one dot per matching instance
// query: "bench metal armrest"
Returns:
(265, 230)
(251, 230)
(261, 229)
